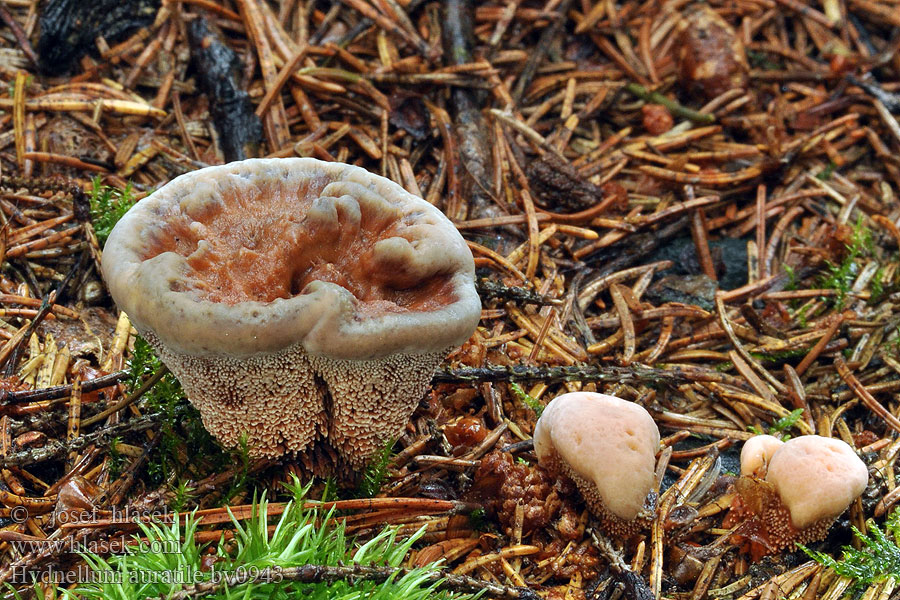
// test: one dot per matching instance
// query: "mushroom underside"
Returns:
(611, 523)
(287, 401)
(771, 518)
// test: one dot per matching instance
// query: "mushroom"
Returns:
(607, 446)
(795, 490)
(756, 454)
(295, 300)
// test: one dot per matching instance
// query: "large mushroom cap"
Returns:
(295, 299)
(257, 255)
(603, 440)
(816, 478)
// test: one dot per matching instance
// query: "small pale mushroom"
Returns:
(296, 300)
(795, 490)
(607, 446)
(756, 454)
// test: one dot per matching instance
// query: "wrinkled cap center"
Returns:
(270, 240)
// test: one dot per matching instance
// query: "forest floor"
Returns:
(689, 206)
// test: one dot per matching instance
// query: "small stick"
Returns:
(182, 126)
(615, 290)
(56, 448)
(19, 116)
(543, 44)
(412, 37)
(729, 331)
(329, 574)
(755, 382)
(672, 106)
(807, 11)
(635, 373)
(131, 399)
(541, 337)
(488, 288)
(18, 33)
(124, 107)
(863, 394)
(533, 244)
(214, 7)
(36, 303)
(286, 71)
(813, 354)
(558, 342)
(702, 178)
(777, 233)
(9, 354)
(74, 425)
(276, 125)
(701, 241)
(499, 259)
(60, 391)
(761, 228)
(677, 209)
(61, 159)
(665, 334)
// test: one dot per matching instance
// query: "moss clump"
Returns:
(181, 429)
(108, 205)
(876, 561)
(376, 472)
(154, 568)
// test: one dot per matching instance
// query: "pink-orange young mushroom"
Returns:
(295, 300)
(792, 491)
(607, 446)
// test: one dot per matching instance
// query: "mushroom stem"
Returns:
(369, 397)
(234, 402)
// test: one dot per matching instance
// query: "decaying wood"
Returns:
(218, 71)
(69, 27)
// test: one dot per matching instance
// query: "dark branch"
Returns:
(61, 391)
(328, 574)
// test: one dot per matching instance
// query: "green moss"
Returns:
(241, 457)
(801, 316)
(300, 537)
(780, 426)
(762, 60)
(375, 473)
(785, 423)
(529, 401)
(182, 432)
(770, 357)
(116, 459)
(792, 277)
(182, 494)
(108, 205)
(840, 277)
(826, 173)
(877, 560)
(478, 520)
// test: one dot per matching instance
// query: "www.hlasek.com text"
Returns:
(115, 545)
